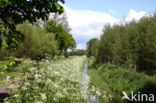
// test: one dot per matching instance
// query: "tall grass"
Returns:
(113, 80)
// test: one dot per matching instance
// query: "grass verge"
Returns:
(14, 73)
(112, 80)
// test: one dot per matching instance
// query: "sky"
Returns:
(87, 18)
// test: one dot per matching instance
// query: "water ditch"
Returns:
(86, 78)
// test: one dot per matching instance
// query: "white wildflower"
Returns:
(38, 80)
(39, 102)
(8, 78)
(24, 88)
(32, 69)
(27, 84)
(56, 73)
(55, 85)
(48, 81)
(16, 95)
(58, 94)
(30, 98)
(43, 96)
(98, 93)
(36, 76)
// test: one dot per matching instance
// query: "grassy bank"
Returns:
(112, 80)
(14, 73)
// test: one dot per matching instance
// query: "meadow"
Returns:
(58, 81)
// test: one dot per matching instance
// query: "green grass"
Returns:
(14, 73)
(113, 80)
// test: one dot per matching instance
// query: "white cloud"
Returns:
(86, 24)
(136, 15)
(81, 46)
(111, 11)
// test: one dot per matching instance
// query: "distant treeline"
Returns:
(131, 44)
(78, 52)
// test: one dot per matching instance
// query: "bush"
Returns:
(37, 43)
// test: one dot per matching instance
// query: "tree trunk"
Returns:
(65, 53)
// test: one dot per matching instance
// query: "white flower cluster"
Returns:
(57, 81)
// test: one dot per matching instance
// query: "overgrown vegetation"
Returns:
(112, 80)
(123, 58)
(55, 82)
(130, 45)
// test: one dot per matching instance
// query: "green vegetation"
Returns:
(50, 40)
(112, 80)
(34, 34)
(37, 43)
(13, 73)
(58, 82)
(13, 12)
(130, 45)
(64, 39)
(79, 52)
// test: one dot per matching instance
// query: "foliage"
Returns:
(9, 38)
(12, 61)
(57, 82)
(14, 72)
(131, 45)
(91, 47)
(113, 80)
(51, 40)
(37, 43)
(64, 39)
(78, 52)
(13, 12)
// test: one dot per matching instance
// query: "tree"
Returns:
(146, 44)
(51, 26)
(13, 12)
(37, 43)
(92, 47)
(106, 43)
(132, 45)
(61, 19)
(64, 39)
(69, 43)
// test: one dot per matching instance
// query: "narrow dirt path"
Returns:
(4, 93)
(3, 88)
